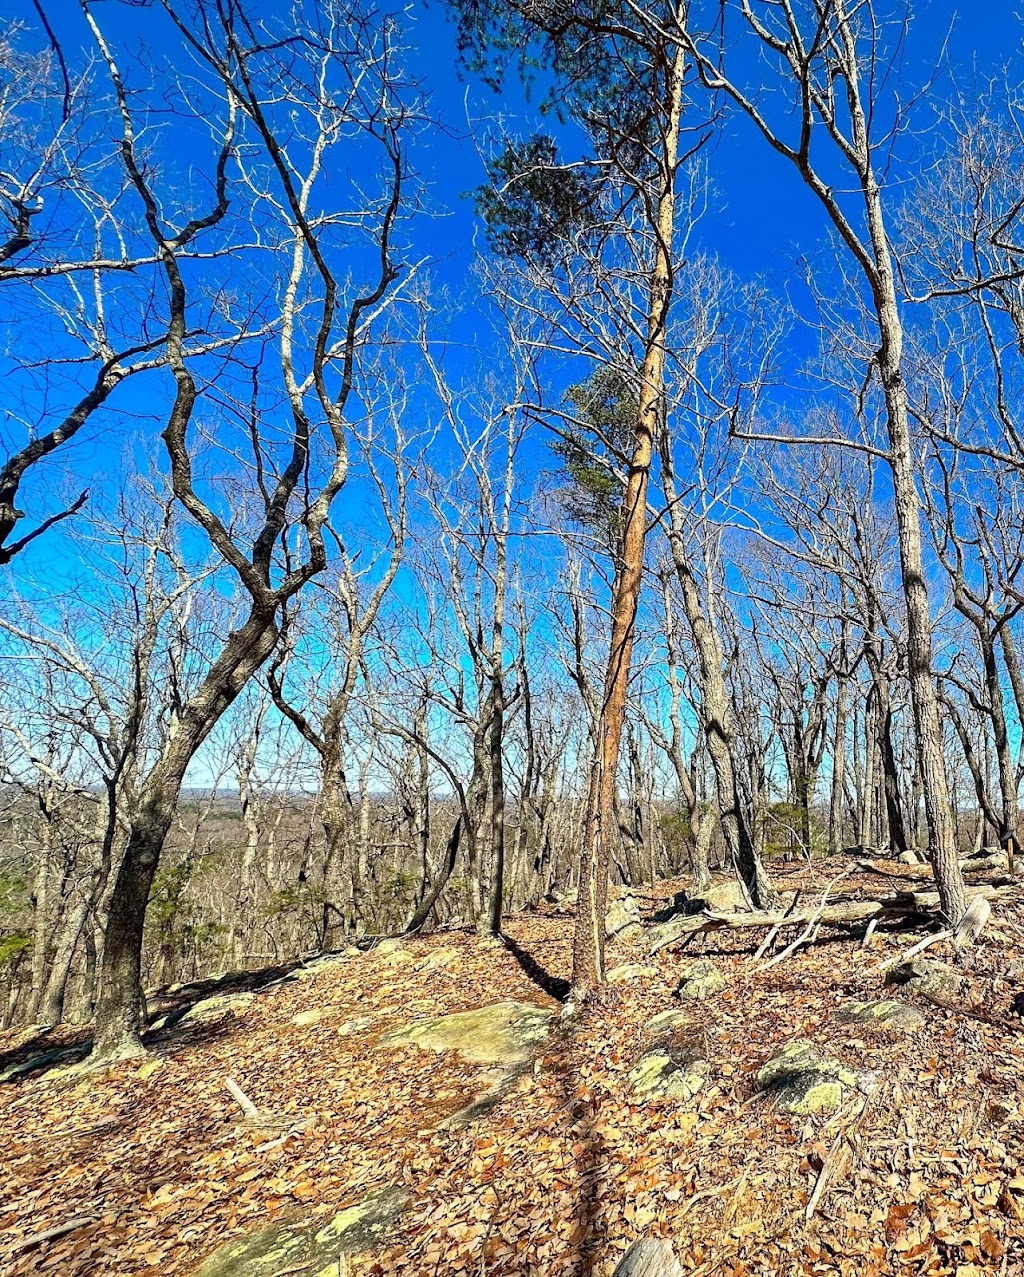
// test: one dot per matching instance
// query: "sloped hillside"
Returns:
(525, 1141)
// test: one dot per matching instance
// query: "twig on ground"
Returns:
(52, 1234)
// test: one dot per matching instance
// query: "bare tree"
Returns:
(826, 56)
(339, 77)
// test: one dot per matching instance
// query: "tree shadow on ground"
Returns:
(64, 1044)
(554, 986)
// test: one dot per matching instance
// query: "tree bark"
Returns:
(588, 937)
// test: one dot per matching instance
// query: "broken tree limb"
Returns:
(969, 864)
(973, 923)
(899, 904)
(651, 1257)
(244, 1103)
(810, 932)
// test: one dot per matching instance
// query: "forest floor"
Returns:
(154, 1166)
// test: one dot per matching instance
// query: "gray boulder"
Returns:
(220, 1004)
(672, 1074)
(504, 1033)
(667, 1021)
(630, 971)
(700, 980)
(623, 918)
(926, 976)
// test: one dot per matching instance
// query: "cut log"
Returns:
(650, 1257)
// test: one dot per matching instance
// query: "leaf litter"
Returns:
(150, 1169)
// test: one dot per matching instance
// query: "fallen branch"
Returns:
(244, 1103)
(969, 864)
(52, 1234)
(900, 904)
(809, 932)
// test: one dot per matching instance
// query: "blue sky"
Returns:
(762, 219)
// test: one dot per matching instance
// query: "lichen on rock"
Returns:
(503, 1033)
(700, 980)
(306, 1248)
(677, 1075)
(802, 1080)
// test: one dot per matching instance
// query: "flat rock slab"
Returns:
(446, 959)
(700, 980)
(676, 1075)
(897, 1016)
(305, 1019)
(208, 1009)
(802, 1080)
(504, 1033)
(46, 1060)
(309, 1250)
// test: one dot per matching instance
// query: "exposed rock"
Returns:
(883, 1015)
(802, 1080)
(149, 1067)
(504, 1033)
(649, 1257)
(356, 1025)
(213, 1008)
(306, 1018)
(927, 976)
(700, 980)
(568, 897)
(630, 971)
(324, 962)
(441, 959)
(725, 897)
(392, 953)
(666, 1021)
(308, 1249)
(46, 1060)
(674, 1074)
(623, 918)
(382, 948)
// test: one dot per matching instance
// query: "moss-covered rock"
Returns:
(667, 1021)
(676, 1075)
(213, 1008)
(896, 1016)
(926, 975)
(802, 1080)
(504, 1033)
(630, 971)
(305, 1248)
(700, 980)
(305, 1019)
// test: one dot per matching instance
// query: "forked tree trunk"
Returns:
(599, 826)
